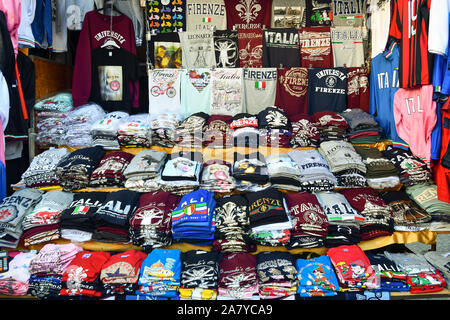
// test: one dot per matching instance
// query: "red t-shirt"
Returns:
(292, 90)
(358, 94)
(315, 47)
(250, 42)
(244, 14)
(441, 174)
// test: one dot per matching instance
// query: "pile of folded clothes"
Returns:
(344, 220)
(269, 223)
(244, 128)
(425, 195)
(163, 129)
(316, 277)
(345, 163)
(309, 223)
(111, 219)
(104, 131)
(331, 125)
(109, 172)
(232, 225)
(47, 268)
(143, 172)
(217, 132)
(193, 220)
(150, 224)
(315, 174)
(277, 275)
(440, 260)
(304, 132)
(274, 128)
(76, 222)
(283, 172)
(14, 282)
(362, 127)
(392, 278)
(14, 209)
(74, 171)
(381, 173)
(134, 131)
(189, 132)
(42, 169)
(199, 275)
(160, 273)
(216, 176)
(181, 172)
(238, 279)
(250, 172)
(120, 273)
(42, 224)
(82, 276)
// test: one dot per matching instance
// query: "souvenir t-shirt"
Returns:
(288, 13)
(205, 15)
(292, 90)
(112, 70)
(75, 11)
(198, 49)
(349, 12)
(195, 90)
(118, 206)
(347, 43)
(245, 14)
(315, 47)
(316, 277)
(260, 85)
(327, 89)
(250, 47)
(166, 16)
(318, 13)
(281, 47)
(165, 50)
(227, 91)
(164, 91)
(358, 93)
(266, 206)
(226, 48)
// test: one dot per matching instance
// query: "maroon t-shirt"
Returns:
(358, 88)
(315, 47)
(250, 42)
(292, 90)
(248, 14)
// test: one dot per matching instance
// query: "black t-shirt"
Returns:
(266, 207)
(281, 46)
(112, 71)
(318, 13)
(165, 50)
(226, 48)
(327, 89)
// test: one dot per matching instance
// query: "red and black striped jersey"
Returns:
(409, 28)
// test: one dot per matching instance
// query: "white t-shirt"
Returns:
(164, 91)
(227, 91)
(438, 27)
(348, 48)
(205, 15)
(198, 49)
(379, 23)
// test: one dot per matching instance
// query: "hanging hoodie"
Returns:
(13, 11)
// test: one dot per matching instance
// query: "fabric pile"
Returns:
(362, 127)
(244, 128)
(250, 172)
(283, 172)
(441, 261)
(143, 172)
(331, 126)
(425, 195)
(274, 128)
(304, 132)
(216, 176)
(109, 172)
(189, 132)
(181, 172)
(392, 278)
(163, 129)
(217, 132)
(14, 282)
(104, 132)
(134, 131)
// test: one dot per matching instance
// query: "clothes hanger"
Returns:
(110, 42)
(111, 8)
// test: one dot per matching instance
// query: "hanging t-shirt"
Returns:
(195, 91)
(380, 20)
(205, 15)
(260, 85)
(75, 11)
(318, 13)
(250, 47)
(347, 43)
(165, 50)
(358, 93)
(281, 46)
(198, 49)
(246, 14)
(166, 16)
(226, 48)
(315, 47)
(292, 90)
(348, 12)
(327, 89)
(164, 91)
(227, 92)
(288, 13)
(112, 70)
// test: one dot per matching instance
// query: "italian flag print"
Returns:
(206, 19)
(80, 210)
(260, 84)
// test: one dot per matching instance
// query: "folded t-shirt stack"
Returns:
(238, 278)
(75, 169)
(120, 273)
(304, 132)
(199, 275)
(150, 224)
(189, 132)
(309, 223)
(216, 176)
(82, 276)
(250, 172)
(381, 173)
(42, 169)
(163, 129)
(378, 217)
(134, 131)
(76, 222)
(425, 195)
(345, 163)
(160, 273)
(193, 220)
(42, 224)
(315, 174)
(269, 223)
(109, 172)
(274, 128)
(104, 131)
(232, 225)
(217, 132)
(331, 125)
(344, 220)
(143, 172)
(353, 268)
(316, 277)
(362, 127)
(441, 261)
(244, 128)
(14, 282)
(111, 219)
(392, 278)
(283, 172)
(277, 275)
(411, 169)
(14, 209)
(47, 268)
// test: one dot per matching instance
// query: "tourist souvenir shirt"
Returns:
(226, 92)
(316, 277)
(260, 85)
(281, 48)
(205, 15)
(226, 48)
(292, 90)
(164, 91)
(318, 13)
(248, 14)
(288, 13)
(166, 16)
(198, 49)
(349, 12)
(347, 43)
(358, 92)
(250, 47)
(315, 47)
(165, 50)
(195, 91)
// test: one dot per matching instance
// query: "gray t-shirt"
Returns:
(198, 49)
(260, 88)
(205, 15)
(348, 47)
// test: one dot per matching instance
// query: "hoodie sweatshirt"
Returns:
(12, 10)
